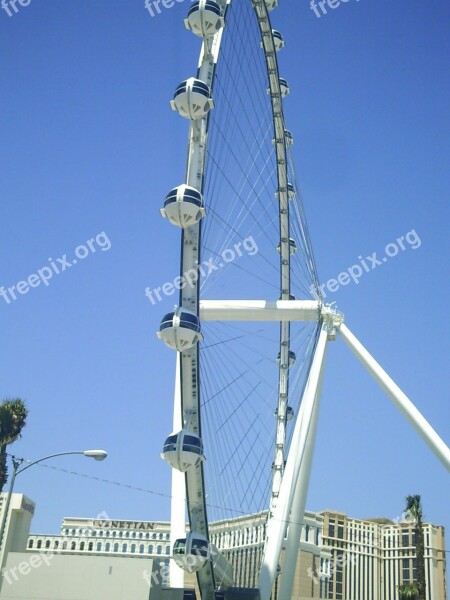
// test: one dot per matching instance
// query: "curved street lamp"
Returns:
(95, 454)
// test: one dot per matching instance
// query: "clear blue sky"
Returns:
(90, 145)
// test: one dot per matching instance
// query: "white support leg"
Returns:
(276, 527)
(299, 502)
(399, 398)
(178, 501)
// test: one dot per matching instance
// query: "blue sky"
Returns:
(90, 145)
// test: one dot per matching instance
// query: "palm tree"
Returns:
(414, 509)
(13, 415)
(407, 591)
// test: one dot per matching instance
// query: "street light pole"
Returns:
(95, 454)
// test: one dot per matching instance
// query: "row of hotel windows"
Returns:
(125, 534)
(108, 547)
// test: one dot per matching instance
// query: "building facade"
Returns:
(339, 558)
(371, 558)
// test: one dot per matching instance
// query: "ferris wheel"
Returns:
(249, 371)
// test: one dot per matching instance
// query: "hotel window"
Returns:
(133, 548)
(30, 544)
(340, 532)
(150, 549)
(124, 547)
(90, 546)
(107, 547)
(405, 540)
(99, 546)
(140, 535)
(64, 546)
(73, 546)
(116, 547)
(159, 549)
(167, 550)
(141, 549)
(114, 533)
(47, 544)
(414, 573)
(133, 535)
(56, 545)
(82, 546)
(331, 530)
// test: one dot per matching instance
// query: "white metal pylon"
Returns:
(298, 457)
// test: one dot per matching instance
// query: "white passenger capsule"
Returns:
(290, 191)
(180, 329)
(271, 4)
(192, 99)
(292, 358)
(288, 139)
(289, 413)
(278, 40)
(183, 450)
(192, 552)
(284, 86)
(183, 206)
(292, 246)
(204, 18)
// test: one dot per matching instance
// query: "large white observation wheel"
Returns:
(244, 236)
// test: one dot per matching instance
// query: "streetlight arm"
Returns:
(35, 462)
(97, 454)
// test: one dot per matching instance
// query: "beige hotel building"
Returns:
(339, 558)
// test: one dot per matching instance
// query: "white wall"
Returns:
(39, 576)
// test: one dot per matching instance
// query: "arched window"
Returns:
(73, 531)
(73, 545)
(66, 531)
(99, 547)
(159, 549)
(124, 547)
(82, 546)
(90, 546)
(161, 535)
(141, 549)
(116, 547)
(150, 549)
(133, 535)
(107, 547)
(140, 535)
(47, 544)
(64, 546)
(30, 543)
(167, 550)
(133, 548)
(39, 544)
(56, 545)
